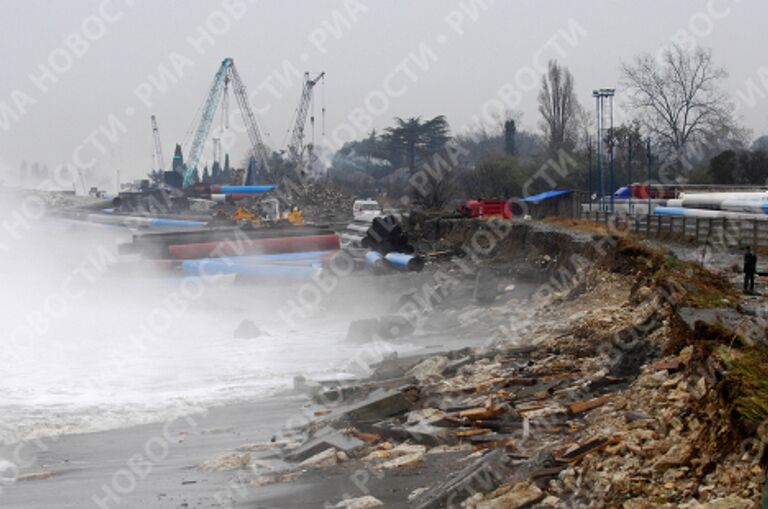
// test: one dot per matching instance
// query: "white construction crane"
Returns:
(296, 145)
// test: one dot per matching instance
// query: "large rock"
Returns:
(387, 327)
(486, 286)
(247, 330)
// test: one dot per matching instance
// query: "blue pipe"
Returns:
(209, 267)
(669, 211)
(313, 255)
(313, 258)
(160, 222)
(405, 261)
(373, 260)
(245, 189)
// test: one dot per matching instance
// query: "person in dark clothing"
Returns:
(750, 267)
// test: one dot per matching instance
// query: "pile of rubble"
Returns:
(317, 201)
(609, 402)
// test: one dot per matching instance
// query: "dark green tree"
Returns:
(412, 138)
(722, 167)
(510, 133)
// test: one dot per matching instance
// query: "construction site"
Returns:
(420, 315)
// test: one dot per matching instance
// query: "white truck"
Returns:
(363, 212)
(366, 210)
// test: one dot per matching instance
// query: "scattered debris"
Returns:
(231, 461)
(360, 503)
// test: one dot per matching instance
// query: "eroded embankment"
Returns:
(638, 382)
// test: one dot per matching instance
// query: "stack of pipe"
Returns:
(736, 205)
(223, 193)
(283, 266)
(401, 261)
(137, 221)
(270, 245)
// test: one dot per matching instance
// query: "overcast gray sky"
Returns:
(72, 67)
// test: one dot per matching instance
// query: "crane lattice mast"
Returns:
(296, 145)
(159, 161)
(227, 74)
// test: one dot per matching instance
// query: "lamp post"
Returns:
(601, 95)
(648, 160)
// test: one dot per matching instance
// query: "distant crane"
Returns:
(296, 145)
(226, 74)
(158, 155)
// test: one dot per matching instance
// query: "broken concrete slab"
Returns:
(335, 393)
(429, 370)
(421, 433)
(326, 458)
(380, 404)
(396, 366)
(326, 438)
(482, 475)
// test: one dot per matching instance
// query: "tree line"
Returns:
(676, 100)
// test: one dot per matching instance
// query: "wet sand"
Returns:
(114, 469)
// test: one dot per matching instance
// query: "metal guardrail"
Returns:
(728, 232)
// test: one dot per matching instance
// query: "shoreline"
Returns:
(149, 465)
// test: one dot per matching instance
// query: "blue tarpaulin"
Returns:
(546, 195)
(622, 192)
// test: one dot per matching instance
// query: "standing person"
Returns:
(750, 267)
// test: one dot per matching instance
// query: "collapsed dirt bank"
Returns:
(628, 386)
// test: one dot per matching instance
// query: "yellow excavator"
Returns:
(270, 212)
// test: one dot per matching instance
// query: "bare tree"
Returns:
(559, 108)
(679, 101)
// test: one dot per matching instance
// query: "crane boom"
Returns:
(226, 74)
(159, 161)
(209, 111)
(296, 146)
(258, 149)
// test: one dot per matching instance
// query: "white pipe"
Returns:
(704, 213)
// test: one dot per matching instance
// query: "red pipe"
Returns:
(254, 246)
